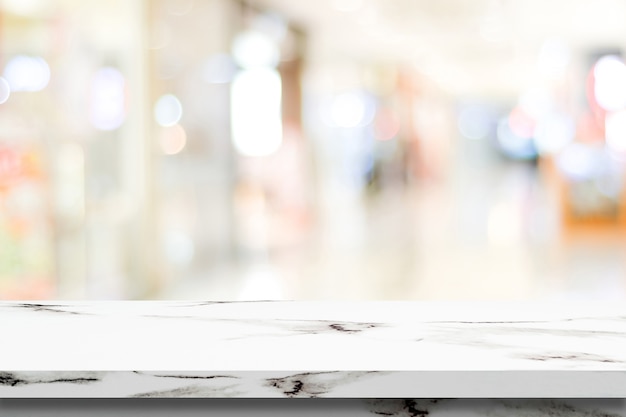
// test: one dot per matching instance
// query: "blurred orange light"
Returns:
(173, 140)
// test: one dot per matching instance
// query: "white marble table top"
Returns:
(312, 349)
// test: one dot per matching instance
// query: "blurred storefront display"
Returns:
(119, 143)
(69, 148)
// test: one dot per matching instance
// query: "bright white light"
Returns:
(579, 162)
(168, 110)
(261, 283)
(253, 49)
(108, 99)
(474, 123)
(553, 58)
(347, 6)
(5, 90)
(537, 103)
(25, 73)
(256, 112)
(610, 83)
(351, 110)
(615, 128)
(554, 133)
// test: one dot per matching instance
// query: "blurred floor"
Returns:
(417, 244)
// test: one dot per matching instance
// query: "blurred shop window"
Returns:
(26, 264)
(592, 166)
(27, 258)
(68, 200)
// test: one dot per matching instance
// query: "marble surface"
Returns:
(312, 349)
(314, 407)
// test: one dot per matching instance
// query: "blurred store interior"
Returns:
(307, 150)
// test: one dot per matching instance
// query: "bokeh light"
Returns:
(168, 110)
(475, 122)
(253, 49)
(554, 58)
(521, 124)
(537, 103)
(173, 139)
(513, 145)
(26, 73)
(312, 149)
(554, 133)
(5, 90)
(349, 110)
(108, 99)
(610, 83)
(256, 112)
(616, 131)
(261, 282)
(387, 125)
(581, 162)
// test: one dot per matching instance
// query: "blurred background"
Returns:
(335, 149)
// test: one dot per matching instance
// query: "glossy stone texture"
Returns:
(312, 349)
